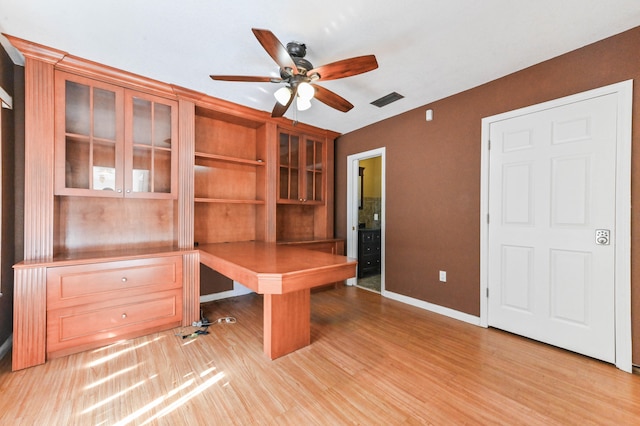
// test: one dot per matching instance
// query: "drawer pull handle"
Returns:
(124, 316)
(124, 279)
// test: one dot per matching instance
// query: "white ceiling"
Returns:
(426, 49)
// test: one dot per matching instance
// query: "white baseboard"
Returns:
(6, 346)
(238, 290)
(448, 312)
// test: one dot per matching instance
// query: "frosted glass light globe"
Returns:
(306, 91)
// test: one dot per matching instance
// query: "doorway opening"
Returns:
(365, 217)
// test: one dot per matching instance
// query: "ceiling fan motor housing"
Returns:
(303, 67)
(297, 49)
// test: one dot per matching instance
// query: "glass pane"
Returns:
(141, 122)
(318, 155)
(310, 186)
(162, 125)
(141, 170)
(104, 154)
(162, 171)
(284, 149)
(318, 192)
(284, 183)
(293, 193)
(104, 114)
(77, 111)
(295, 150)
(310, 154)
(77, 163)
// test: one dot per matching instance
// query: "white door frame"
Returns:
(624, 91)
(353, 161)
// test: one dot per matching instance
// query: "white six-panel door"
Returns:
(552, 178)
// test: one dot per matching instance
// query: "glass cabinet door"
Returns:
(289, 154)
(89, 137)
(301, 168)
(313, 169)
(113, 142)
(152, 137)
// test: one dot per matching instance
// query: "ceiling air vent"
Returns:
(386, 100)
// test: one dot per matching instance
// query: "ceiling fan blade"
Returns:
(346, 67)
(246, 78)
(332, 99)
(279, 109)
(275, 49)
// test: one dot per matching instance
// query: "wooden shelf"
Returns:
(225, 201)
(227, 159)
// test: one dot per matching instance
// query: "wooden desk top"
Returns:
(270, 268)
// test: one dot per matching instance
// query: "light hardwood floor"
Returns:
(372, 361)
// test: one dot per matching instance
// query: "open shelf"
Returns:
(230, 183)
(227, 159)
(227, 201)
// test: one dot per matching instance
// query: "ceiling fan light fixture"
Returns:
(303, 104)
(306, 91)
(283, 95)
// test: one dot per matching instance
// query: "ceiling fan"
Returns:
(300, 75)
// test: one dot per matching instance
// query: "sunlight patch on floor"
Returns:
(193, 393)
(153, 404)
(116, 354)
(111, 377)
(114, 396)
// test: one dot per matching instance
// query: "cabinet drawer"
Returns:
(370, 249)
(369, 261)
(366, 237)
(82, 284)
(77, 328)
(370, 236)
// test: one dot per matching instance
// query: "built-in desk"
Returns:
(284, 274)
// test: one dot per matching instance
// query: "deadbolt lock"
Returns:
(602, 237)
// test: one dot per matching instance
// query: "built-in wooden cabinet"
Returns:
(92, 304)
(304, 210)
(112, 141)
(301, 165)
(122, 170)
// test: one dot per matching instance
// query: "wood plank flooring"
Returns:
(372, 361)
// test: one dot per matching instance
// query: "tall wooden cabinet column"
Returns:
(185, 205)
(30, 283)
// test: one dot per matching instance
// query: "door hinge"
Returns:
(489, 145)
(487, 217)
(487, 292)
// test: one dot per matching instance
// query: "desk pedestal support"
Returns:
(287, 322)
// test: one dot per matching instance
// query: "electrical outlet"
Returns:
(443, 276)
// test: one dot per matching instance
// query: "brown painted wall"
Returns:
(433, 173)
